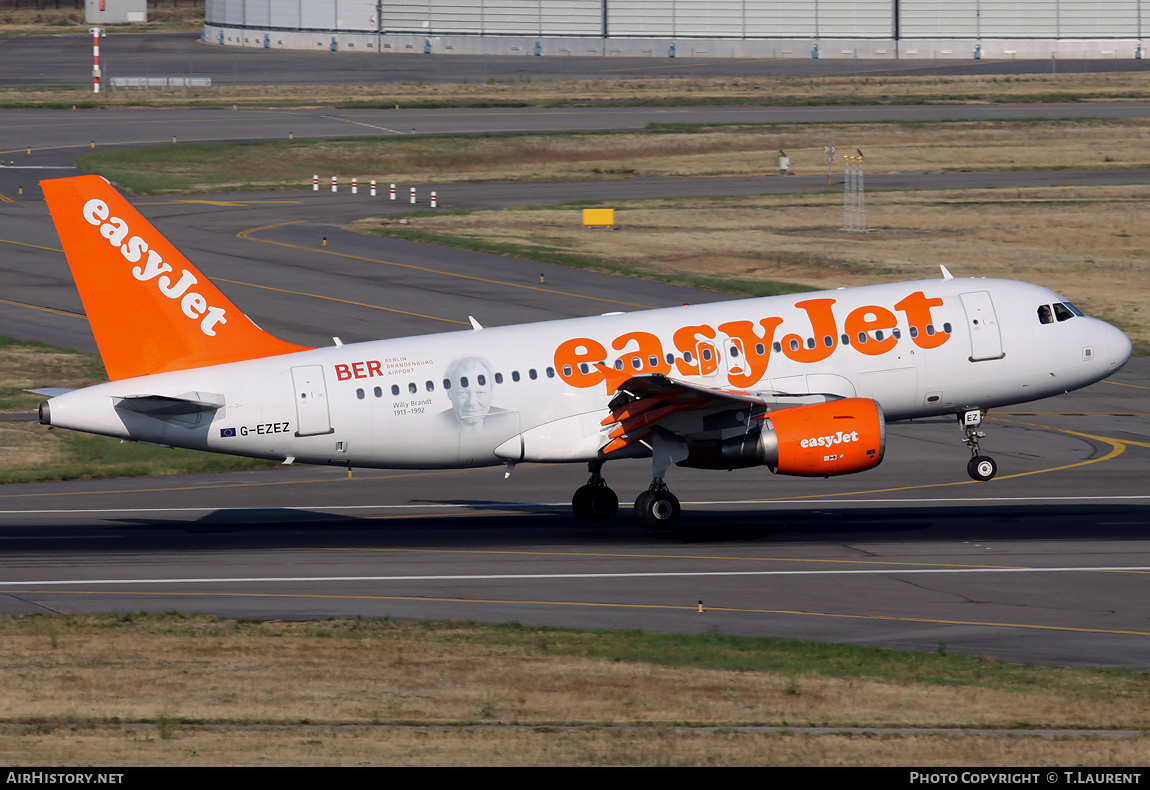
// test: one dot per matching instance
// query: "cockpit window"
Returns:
(1044, 315)
(1062, 312)
(1073, 309)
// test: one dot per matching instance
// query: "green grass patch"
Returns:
(712, 650)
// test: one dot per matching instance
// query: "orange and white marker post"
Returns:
(433, 203)
(373, 187)
(393, 191)
(96, 33)
(315, 183)
(355, 185)
(413, 196)
(334, 184)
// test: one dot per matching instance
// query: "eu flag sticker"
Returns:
(227, 432)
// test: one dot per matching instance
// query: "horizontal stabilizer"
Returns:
(50, 392)
(168, 405)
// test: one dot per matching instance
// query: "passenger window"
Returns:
(394, 389)
(567, 371)
(498, 378)
(550, 373)
(898, 332)
(618, 364)
(914, 331)
(652, 360)
(379, 392)
(670, 359)
(878, 334)
(515, 375)
(463, 382)
(707, 354)
(481, 380)
(429, 386)
(862, 338)
(930, 329)
(828, 341)
(945, 328)
(734, 352)
(636, 363)
(359, 394)
(687, 357)
(583, 368)
(531, 374)
(760, 349)
(810, 342)
(414, 389)
(846, 340)
(794, 345)
(1044, 315)
(777, 346)
(1061, 313)
(447, 384)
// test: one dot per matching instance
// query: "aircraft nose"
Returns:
(1119, 346)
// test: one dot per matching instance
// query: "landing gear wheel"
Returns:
(982, 468)
(657, 509)
(595, 504)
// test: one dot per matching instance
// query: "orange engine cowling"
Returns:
(834, 438)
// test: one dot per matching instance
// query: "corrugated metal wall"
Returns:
(755, 19)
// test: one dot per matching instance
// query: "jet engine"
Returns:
(819, 440)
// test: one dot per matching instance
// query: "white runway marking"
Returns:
(7, 586)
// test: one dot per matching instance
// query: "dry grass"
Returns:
(84, 683)
(1091, 244)
(185, 18)
(864, 88)
(297, 746)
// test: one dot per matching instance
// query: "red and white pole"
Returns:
(413, 195)
(334, 184)
(95, 31)
(355, 185)
(393, 191)
(373, 187)
(433, 200)
(315, 183)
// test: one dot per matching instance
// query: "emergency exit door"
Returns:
(311, 410)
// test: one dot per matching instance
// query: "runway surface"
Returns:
(1047, 563)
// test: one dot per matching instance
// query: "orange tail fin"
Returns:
(150, 309)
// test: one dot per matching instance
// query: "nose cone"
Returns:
(1119, 346)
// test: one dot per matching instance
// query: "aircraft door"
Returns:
(985, 337)
(311, 409)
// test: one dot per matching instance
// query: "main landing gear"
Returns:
(595, 503)
(980, 467)
(657, 507)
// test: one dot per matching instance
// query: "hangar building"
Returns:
(962, 29)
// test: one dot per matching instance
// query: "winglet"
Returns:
(946, 275)
(150, 309)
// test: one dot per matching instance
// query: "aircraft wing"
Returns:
(645, 403)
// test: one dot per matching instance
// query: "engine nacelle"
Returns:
(834, 438)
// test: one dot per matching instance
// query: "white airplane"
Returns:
(802, 384)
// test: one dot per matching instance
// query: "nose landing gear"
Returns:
(980, 467)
